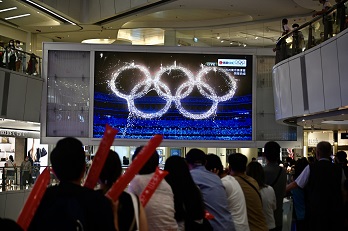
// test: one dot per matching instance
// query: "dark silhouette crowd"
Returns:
(197, 194)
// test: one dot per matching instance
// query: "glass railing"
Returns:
(313, 33)
(20, 61)
(12, 179)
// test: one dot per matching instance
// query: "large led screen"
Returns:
(182, 96)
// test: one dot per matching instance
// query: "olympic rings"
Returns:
(163, 91)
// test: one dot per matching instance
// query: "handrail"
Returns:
(32, 67)
(281, 47)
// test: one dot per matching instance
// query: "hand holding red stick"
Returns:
(34, 199)
(139, 161)
(152, 186)
(100, 157)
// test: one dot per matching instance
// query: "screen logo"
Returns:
(232, 62)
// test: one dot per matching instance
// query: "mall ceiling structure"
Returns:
(218, 23)
(248, 23)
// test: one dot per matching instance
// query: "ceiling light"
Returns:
(8, 9)
(218, 37)
(231, 43)
(222, 41)
(49, 11)
(17, 16)
(99, 41)
(256, 37)
(244, 45)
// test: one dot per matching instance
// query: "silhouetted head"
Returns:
(214, 162)
(111, 170)
(237, 162)
(11, 158)
(324, 150)
(284, 21)
(255, 170)
(151, 165)
(196, 157)
(68, 160)
(341, 157)
(272, 151)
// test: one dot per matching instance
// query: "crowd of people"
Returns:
(197, 194)
(333, 22)
(13, 57)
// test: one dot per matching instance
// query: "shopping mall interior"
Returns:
(80, 47)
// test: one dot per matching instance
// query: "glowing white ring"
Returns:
(125, 68)
(231, 79)
(164, 91)
(159, 74)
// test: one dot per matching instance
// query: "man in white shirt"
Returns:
(160, 208)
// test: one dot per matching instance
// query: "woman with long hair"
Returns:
(269, 203)
(188, 201)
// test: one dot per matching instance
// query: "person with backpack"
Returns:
(276, 177)
(68, 205)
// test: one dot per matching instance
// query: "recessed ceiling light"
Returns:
(17, 16)
(8, 9)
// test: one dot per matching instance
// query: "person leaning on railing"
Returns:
(327, 18)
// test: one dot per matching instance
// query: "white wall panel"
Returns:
(68, 64)
(314, 81)
(276, 94)
(33, 100)
(332, 90)
(14, 204)
(296, 87)
(16, 97)
(342, 53)
(285, 93)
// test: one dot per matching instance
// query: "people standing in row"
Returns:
(25, 172)
(235, 196)
(323, 182)
(237, 164)
(10, 56)
(69, 206)
(160, 208)
(269, 202)
(188, 201)
(212, 189)
(327, 18)
(128, 209)
(20, 55)
(275, 177)
(298, 196)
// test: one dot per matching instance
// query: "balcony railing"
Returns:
(313, 33)
(20, 61)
